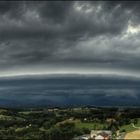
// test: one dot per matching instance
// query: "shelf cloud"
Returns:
(69, 36)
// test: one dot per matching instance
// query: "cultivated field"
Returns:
(133, 135)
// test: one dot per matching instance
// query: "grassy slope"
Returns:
(90, 126)
(129, 128)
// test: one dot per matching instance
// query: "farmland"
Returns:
(49, 123)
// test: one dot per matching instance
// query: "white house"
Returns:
(95, 134)
(99, 137)
(83, 137)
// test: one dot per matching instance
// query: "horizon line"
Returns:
(102, 74)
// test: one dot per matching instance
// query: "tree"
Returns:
(135, 121)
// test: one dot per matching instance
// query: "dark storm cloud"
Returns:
(89, 34)
(56, 10)
(61, 19)
(12, 9)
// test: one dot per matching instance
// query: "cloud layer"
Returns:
(69, 36)
(99, 91)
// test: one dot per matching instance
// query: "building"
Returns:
(102, 134)
(99, 137)
(83, 137)
(96, 135)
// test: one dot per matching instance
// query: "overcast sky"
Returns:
(69, 37)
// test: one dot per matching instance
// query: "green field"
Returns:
(90, 126)
(64, 123)
(129, 128)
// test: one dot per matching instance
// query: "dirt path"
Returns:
(133, 135)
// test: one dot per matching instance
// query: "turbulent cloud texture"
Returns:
(69, 36)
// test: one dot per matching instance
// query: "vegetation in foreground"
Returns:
(65, 123)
